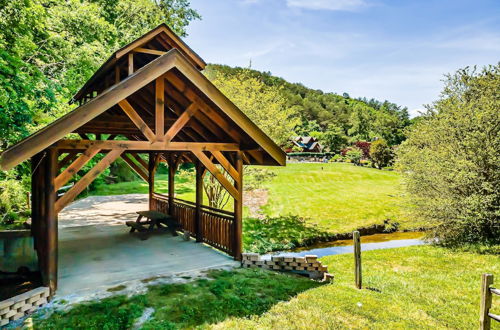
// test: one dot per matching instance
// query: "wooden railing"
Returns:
(217, 226)
(487, 293)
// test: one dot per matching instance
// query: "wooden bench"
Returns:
(154, 219)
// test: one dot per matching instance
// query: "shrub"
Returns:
(256, 177)
(337, 158)
(380, 153)
(365, 148)
(451, 160)
(12, 202)
(354, 155)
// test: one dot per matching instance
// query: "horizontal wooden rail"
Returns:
(205, 207)
(217, 226)
(487, 293)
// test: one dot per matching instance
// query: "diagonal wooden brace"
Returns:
(134, 116)
(216, 173)
(71, 194)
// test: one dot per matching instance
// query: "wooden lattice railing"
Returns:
(217, 226)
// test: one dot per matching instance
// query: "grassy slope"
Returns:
(338, 197)
(421, 288)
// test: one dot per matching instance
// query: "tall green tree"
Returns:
(264, 105)
(451, 160)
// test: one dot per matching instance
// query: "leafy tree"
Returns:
(264, 105)
(380, 153)
(333, 138)
(354, 155)
(451, 160)
(358, 119)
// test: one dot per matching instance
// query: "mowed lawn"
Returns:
(420, 287)
(338, 197)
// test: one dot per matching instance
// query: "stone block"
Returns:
(311, 258)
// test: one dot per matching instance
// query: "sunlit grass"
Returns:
(406, 288)
(243, 292)
(336, 196)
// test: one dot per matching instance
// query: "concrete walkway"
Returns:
(96, 250)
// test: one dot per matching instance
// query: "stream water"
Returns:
(369, 242)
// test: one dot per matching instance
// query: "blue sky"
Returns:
(394, 50)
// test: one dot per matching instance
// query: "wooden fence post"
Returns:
(357, 259)
(484, 318)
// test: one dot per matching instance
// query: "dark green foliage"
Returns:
(238, 293)
(380, 153)
(451, 160)
(49, 48)
(280, 233)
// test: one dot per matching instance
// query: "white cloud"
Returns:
(345, 5)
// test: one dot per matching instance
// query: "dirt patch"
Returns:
(254, 200)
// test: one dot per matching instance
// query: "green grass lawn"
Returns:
(420, 287)
(338, 197)
(410, 288)
(242, 292)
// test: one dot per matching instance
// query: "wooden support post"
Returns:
(51, 220)
(357, 259)
(238, 207)
(160, 108)
(130, 63)
(151, 178)
(171, 183)
(199, 201)
(484, 318)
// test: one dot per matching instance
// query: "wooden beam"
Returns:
(172, 168)
(144, 145)
(117, 73)
(160, 108)
(180, 122)
(71, 194)
(51, 230)
(136, 168)
(130, 64)
(216, 173)
(139, 160)
(151, 178)
(149, 51)
(224, 162)
(199, 201)
(134, 116)
(238, 208)
(71, 170)
(58, 129)
(66, 160)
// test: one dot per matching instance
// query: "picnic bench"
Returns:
(153, 219)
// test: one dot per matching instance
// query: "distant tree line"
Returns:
(336, 120)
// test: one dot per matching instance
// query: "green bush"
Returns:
(13, 207)
(451, 160)
(380, 153)
(354, 155)
(337, 158)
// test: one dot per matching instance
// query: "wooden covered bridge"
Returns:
(148, 98)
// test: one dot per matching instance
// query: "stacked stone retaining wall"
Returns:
(21, 305)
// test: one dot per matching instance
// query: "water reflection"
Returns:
(371, 242)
